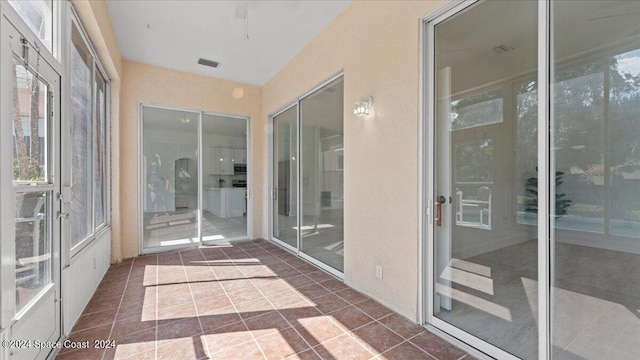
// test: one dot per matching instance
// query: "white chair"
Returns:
(482, 202)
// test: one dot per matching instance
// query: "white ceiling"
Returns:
(175, 34)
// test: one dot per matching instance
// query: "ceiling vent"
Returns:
(207, 62)
(502, 49)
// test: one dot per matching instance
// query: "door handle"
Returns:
(275, 193)
(440, 200)
(61, 215)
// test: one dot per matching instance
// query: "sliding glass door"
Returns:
(170, 177)
(285, 174)
(533, 244)
(307, 166)
(595, 139)
(193, 177)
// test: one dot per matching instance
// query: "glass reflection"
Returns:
(322, 227)
(285, 176)
(170, 177)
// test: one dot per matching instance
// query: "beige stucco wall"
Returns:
(144, 83)
(377, 43)
(95, 18)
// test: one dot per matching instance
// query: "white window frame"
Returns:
(96, 230)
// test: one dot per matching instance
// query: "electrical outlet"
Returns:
(379, 272)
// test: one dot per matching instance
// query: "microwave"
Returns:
(239, 169)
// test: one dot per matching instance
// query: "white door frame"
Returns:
(141, 186)
(15, 323)
(273, 171)
(270, 194)
(428, 195)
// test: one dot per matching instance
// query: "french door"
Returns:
(533, 246)
(307, 176)
(30, 211)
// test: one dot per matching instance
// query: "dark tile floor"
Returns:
(249, 300)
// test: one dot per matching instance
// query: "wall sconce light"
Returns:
(362, 106)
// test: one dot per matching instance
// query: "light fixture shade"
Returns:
(362, 106)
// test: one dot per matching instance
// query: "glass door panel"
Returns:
(322, 179)
(485, 175)
(224, 164)
(31, 247)
(31, 140)
(596, 158)
(285, 176)
(169, 177)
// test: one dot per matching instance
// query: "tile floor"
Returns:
(249, 300)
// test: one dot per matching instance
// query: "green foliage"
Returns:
(532, 189)
(34, 171)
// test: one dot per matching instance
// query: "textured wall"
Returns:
(377, 43)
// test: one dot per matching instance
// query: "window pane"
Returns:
(33, 246)
(29, 126)
(285, 181)
(81, 216)
(595, 135)
(624, 105)
(99, 164)
(474, 161)
(476, 110)
(322, 228)
(38, 15)
(578, 146)
(170, 177)
(224, 143)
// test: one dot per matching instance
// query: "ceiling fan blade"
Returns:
(613, 15)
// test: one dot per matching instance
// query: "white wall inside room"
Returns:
(376, 43)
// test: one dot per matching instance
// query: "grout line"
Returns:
(321, 312)
(113, 325)
(231, 301)
(193, 299)
(279, 313)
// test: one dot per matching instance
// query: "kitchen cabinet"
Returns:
(225, 202)
(240, 156)
(235, 204)
(221, 161)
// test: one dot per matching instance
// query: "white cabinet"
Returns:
(221, 161)
(212, 201)
(240, 156)
(214, 161)
(225, 202)
(235, 204)
(226, 165)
